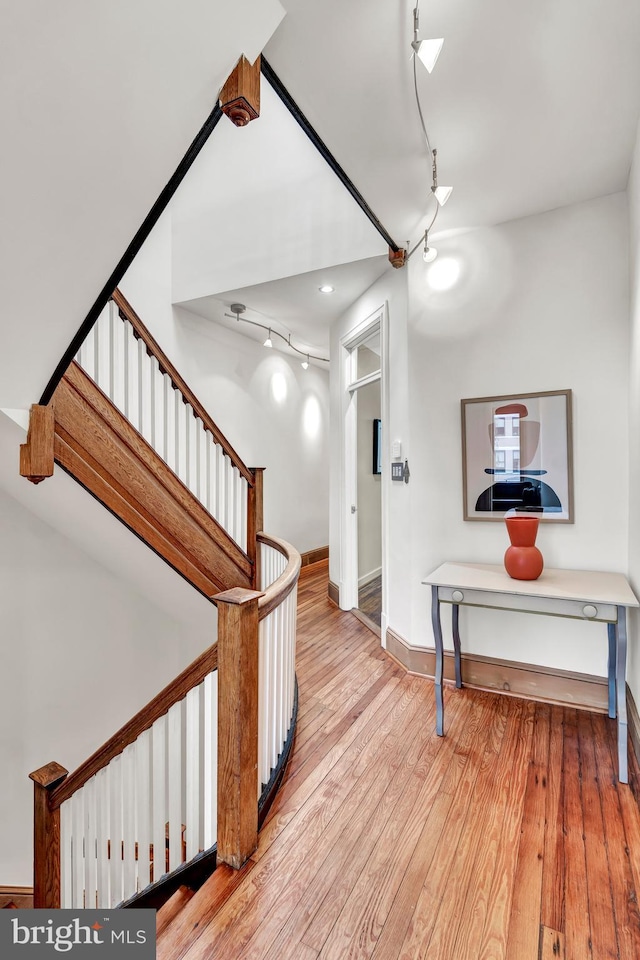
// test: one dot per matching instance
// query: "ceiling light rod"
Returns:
(441, 194)
(428, 253)
(238, 308)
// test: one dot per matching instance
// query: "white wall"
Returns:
(100, 102)
(541, 304)
(369, 486)
(633, 672)
(82, 651)
(274, 413)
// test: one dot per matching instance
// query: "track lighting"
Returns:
(427, 51)
(441, 194)
(429, 253)
(237, 311)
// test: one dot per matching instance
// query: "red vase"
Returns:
(523, 560)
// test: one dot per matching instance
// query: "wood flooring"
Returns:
(370, 600)
(510, 837)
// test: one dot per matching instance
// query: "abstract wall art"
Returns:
(517, 456)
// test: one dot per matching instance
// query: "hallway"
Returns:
(509, 837)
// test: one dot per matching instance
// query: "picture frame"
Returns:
(377, 446)
(517, 456)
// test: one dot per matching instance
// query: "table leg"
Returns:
(611, 668)
(456, 643)
(437, 635)
(621, 692)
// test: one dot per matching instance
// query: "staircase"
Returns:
(183, 918)
(182, 786)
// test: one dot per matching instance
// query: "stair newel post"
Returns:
(237, 725)
(255, 521)
(46, 836)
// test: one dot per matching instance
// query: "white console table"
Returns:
(578, 594)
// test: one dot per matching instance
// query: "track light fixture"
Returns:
(429, 253)
(427, 51)
(237, 309)
(441, 194)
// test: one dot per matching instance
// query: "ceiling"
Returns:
(531, 107)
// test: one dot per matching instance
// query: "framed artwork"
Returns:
(377, 446)
(517, 456)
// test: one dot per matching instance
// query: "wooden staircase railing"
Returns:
(179, 785)
(125, 424)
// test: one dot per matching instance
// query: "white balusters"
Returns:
(175, 778)
(115, 826)
(210, 759)
(118, 361)
(146, 375)
(102, 794)
(193, 786)
(159, 797)
(277, 639)
(143, 838)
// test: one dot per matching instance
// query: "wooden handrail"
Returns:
(143, 720)
(235, 655)
(282, 587)
(178, 688)
(155, 350)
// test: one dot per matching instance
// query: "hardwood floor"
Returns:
(508, 838)
(370, 600)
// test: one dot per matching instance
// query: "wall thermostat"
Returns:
(400, 471)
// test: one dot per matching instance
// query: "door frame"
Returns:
(349, 385)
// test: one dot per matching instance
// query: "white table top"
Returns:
(589, 585)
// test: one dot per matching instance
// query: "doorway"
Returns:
(369, 500)
(364, 488)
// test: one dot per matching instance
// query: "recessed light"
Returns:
(326, 288)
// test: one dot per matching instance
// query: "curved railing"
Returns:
(280, 567)
(168, 792)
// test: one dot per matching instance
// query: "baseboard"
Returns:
(334, 593)
(312, 556)
(633, 719)
(525, 680)
(368, 577)
(314, 568)
(18, 897)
